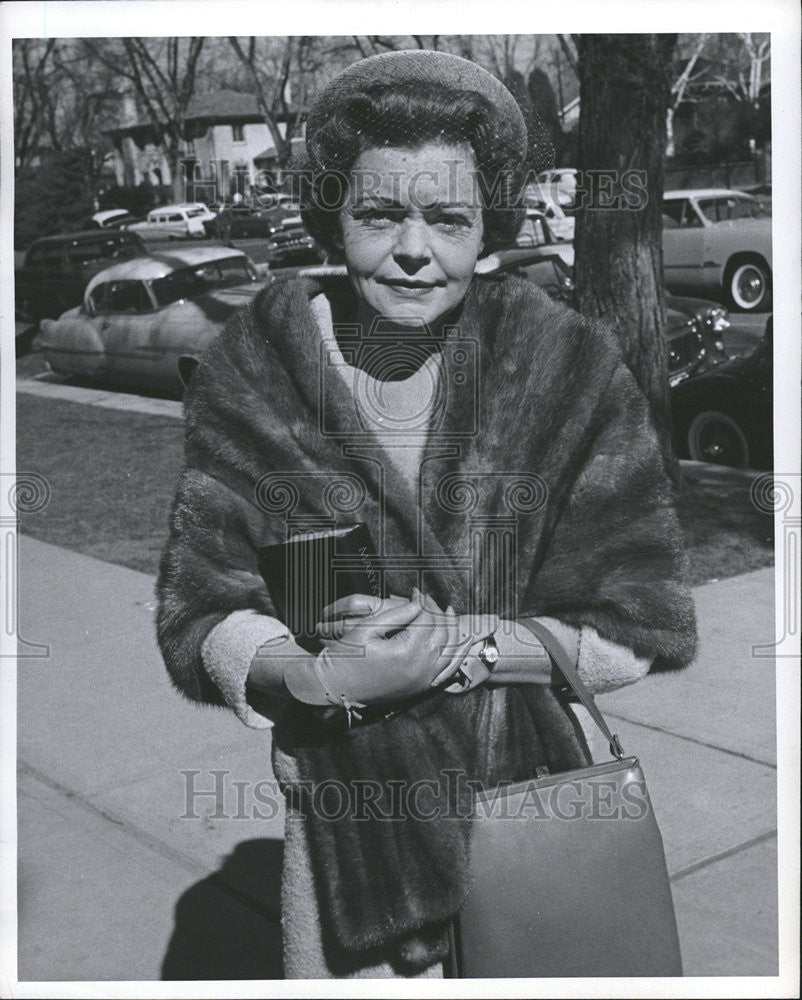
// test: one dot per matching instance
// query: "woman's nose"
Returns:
(411, 250)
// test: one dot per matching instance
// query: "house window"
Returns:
(238, 133)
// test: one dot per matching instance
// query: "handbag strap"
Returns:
(562, 661)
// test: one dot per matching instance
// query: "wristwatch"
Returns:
(489, 654)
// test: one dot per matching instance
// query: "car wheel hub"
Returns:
(751, 286)
(715, 439)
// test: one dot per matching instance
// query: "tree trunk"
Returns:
(625, 83)
(175, 158)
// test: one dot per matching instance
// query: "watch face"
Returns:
(490, 652)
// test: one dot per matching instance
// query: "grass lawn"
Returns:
(112, 474)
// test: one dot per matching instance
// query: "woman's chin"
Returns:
(412, 311)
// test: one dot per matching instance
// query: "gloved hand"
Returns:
(390, 655)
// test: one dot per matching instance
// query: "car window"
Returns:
(672, 210)
(175, 218)
(35, 256)
(120, 297)
(690, 217)
(54, 255)
(125, 249)
(533, 232)
(190, 282)
(193, 213)
(96, 301)
(84, 253)
(128, 297)
(731, 207)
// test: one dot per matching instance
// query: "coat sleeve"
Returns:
(616, 558)
(208, 571)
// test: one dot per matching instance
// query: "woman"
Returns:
(505, 462)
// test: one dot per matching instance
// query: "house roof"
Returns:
(219, 106)
(224, 105)
(297, 145)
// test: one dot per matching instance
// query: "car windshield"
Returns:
(731, 207)
(193, 213)
(190, 282)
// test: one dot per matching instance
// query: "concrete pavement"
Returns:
(127, 870)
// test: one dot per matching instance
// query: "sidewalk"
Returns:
(117, 881)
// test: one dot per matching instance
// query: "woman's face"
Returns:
(411, 229)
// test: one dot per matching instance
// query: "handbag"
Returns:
(569, 873)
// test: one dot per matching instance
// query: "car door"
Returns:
(683, 243)
(81, 264)
(36, 283)
(127, 323)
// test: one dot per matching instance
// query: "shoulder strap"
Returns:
(562, 660)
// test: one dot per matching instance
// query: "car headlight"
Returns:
(718, 320)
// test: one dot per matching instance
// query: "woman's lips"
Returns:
(411, 287)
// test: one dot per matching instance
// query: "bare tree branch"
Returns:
(680, 85)
(569, 52)
(248, 60)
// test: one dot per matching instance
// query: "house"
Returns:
(226, 147)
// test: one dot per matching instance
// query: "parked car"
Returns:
(695, 327)
(174, 222)
(112, 218)
(725, 415)
(278, 207)
(543, 265)
(715, 239)
(244, 222)
(545, 224)
(561, 183)
(292, 246)
(57, 269)
(147, 322)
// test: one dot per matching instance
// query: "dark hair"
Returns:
(411, 115)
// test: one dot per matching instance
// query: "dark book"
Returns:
(313, 569)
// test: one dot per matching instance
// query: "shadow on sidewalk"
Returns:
(227, 926)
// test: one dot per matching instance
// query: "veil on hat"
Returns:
(529, 149)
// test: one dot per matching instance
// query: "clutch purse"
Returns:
(569, 871)
(313, 569)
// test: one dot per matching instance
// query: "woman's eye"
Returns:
(377, 217)
(451, 220)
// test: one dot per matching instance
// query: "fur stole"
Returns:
(541, 491)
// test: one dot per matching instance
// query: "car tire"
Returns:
(716, 438)
(748, 285)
